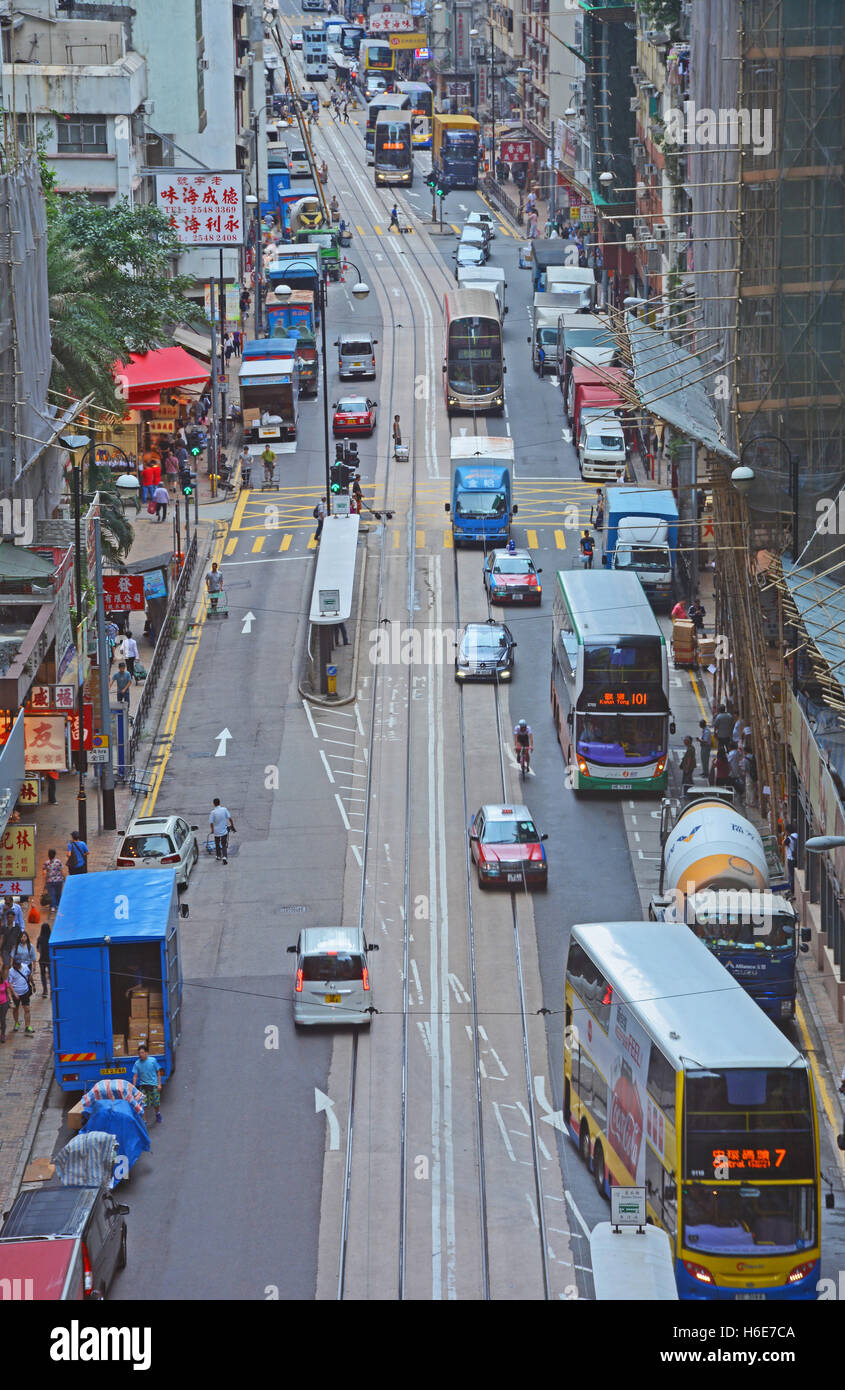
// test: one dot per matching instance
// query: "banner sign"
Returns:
(17, 852)
(45, 742)
(516, 151)
(406, 40)
(123, 592)
(203, 209)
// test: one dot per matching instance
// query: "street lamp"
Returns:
(253, 202)
(76, 444)
(129, 490)
(360, 290)
(819, 843)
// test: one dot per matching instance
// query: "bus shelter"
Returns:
(331, 598)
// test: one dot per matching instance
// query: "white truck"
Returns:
(482, 449)
(717, 877)
(546, 311)
(601, 445)
(486, 277)
(577, 282)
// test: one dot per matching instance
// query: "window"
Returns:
(590, 983)
(81, 134)
(592, 1089)
(661, 1083)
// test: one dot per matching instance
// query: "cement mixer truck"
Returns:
(716, 877)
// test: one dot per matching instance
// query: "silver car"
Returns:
(160, 842)
(332, 982)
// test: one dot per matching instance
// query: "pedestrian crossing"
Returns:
(281, 522)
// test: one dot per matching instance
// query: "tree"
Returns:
(116, 533)
(662, 14)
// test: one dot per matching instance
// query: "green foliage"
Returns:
(111, 291)
(660, 14)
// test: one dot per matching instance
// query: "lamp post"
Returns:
(75, 444)
(360, 290)
(252, 201)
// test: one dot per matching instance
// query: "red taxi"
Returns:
(507, 848)
(354, 415)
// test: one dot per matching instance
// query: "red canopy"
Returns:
(147, 372)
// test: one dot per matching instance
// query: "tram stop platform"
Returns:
(332, 648)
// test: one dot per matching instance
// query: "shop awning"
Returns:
(148, 372)
(670, 384)
(198, 343)
(145, 402)
(16, 562)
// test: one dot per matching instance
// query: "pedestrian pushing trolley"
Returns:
(217, 605)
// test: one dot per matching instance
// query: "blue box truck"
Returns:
(116, 934)
(481, 505)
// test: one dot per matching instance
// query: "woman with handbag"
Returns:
(19, 980)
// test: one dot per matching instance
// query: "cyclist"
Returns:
(523, 738)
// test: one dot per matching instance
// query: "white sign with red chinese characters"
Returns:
(44, 736)
(390, 22)
(17, 852)
(203, 209)
(51, 697)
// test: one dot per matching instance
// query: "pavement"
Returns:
(26, 1060)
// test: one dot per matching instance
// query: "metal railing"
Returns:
(169, 630)
(494, 191)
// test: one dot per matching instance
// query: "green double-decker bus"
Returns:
(610, 683)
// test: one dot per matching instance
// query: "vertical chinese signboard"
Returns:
(203, 209)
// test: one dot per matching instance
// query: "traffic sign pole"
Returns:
(106, 782)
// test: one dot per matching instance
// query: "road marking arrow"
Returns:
(249, 619)
(222, 739)
(322, 1102)
(551, 1117)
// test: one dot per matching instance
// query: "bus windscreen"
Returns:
(475, 355)
(393, 144)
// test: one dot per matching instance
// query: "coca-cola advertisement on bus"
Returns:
(627, 1086)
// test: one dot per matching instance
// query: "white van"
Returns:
(299, 164)
(601, 448)
(332, 982)
(575, 280)
(356, 355)
(486, 277)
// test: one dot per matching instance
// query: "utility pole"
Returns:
(222, 303)
(107, 774)
(215, 394)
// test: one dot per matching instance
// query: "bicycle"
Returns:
(523, 757)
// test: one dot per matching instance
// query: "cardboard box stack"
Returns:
(139, 1022)
(156, 1017)
(118, 1045)
(683, 642)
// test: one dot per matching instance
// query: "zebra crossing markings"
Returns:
(261, 544)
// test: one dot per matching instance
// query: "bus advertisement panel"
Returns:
(676, 1082)
(610, 683)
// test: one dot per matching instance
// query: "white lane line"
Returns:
(343, 788)
(267, 560)
(342, 809)
(417, 982)
(358, 720)
(500, 1122)
(357, 854)
(309, 718)
(345, 758)
(424, 1033)
(499, 1061)
(321, 723)
(326, 766)
(460, 993)
(576, 1213)
(341, 743)
(527, 1118)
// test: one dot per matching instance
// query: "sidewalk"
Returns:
(26, 1060)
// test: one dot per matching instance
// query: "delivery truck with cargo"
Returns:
(481, 505)
(641, 536)
(546, 310)
(717, 876)
(117, 975)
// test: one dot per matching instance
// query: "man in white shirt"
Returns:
(130, 647)
(220, 823)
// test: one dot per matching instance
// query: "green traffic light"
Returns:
(195, 450)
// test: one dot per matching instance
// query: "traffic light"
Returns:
(188, 481)
(431, 182)
(195, 450)
(441, 191)
(337, 477)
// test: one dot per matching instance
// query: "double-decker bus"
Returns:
(473, 370)
(610, 682)
(422, 110)
(393, 153)
(376, 55)
(388, 101)
(675, 1081)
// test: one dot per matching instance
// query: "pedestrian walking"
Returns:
(131, 654)
(394, 218)
(52, 778)
(77, 854)
(532, 226)
(705, 747)
(19, 980)
(147, 1075)
(720, 771)
(121, 680)
(397, 433)
(12, 924)
(749, 771)
(161, 497)
(723, 728)
(24, 952)
(171, 471)
(597, 517)
(44, 958)
(5, 1001)
(54, 879)
(237, 342)
(735, 765)
(220, 823)
(340, 631)
(695, 613)
(319, 515)
(791, 848)
(228, 351)
(268, 458)
(687, 763)
(679, 612)
(214, 584)
(587, 549)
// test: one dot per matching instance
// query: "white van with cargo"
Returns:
(332, 982)
(356, 355)
(573, 280)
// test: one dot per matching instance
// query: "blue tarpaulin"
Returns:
(117, 1117)
(123, 904)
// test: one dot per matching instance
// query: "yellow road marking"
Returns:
(420, 539)
(377, 229)
(833, 1117)
(312, 544)
(286, 540)
(560, 540)
(258, 544)
(181, 685)
(239, 511)
(395, 540)
(447, 539)
(695, 690)
(532, 540)
(231, 545)
(455, 228)
(359, 230)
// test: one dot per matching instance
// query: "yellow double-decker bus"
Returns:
(675, 1081)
